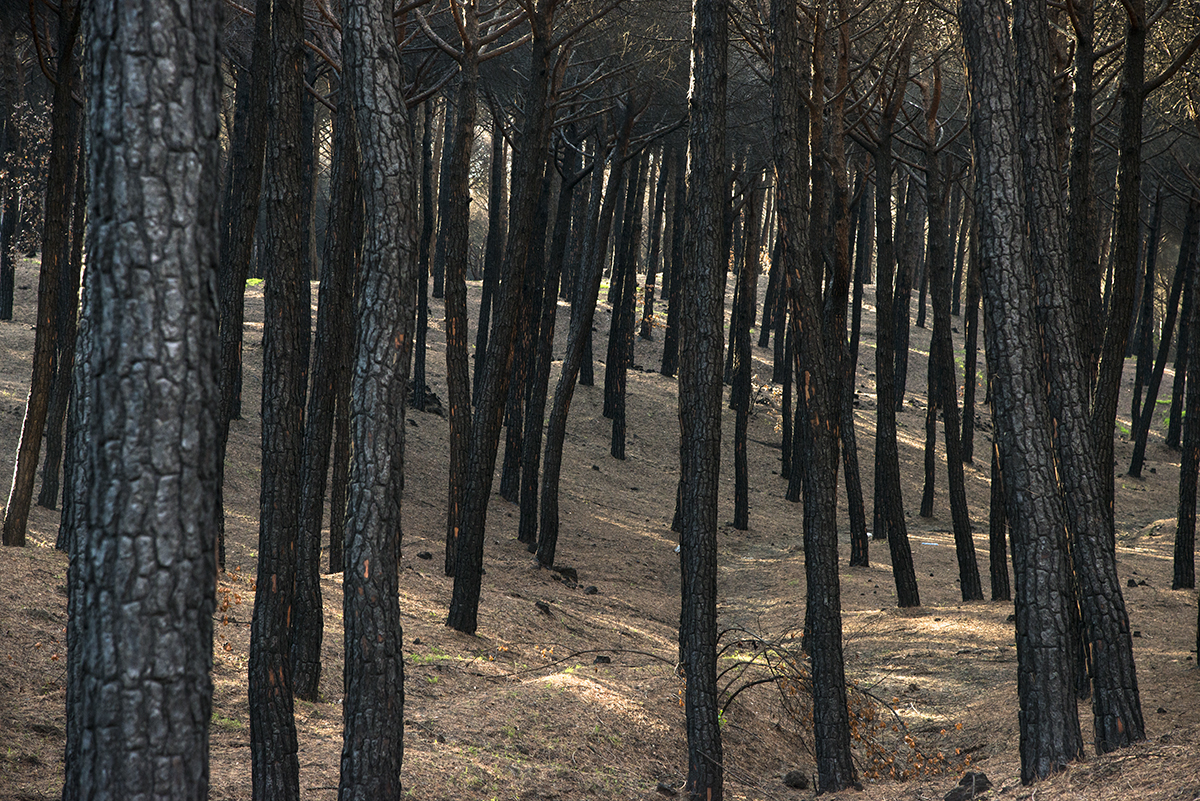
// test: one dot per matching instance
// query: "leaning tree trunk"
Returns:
(583, 312)
(529, 164)
(889, 506)
(1141, 430)
(68, 321)
(64, 148)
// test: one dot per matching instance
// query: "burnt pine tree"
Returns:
(529, 164)
(142, 690)
(373, 712)
(583, 312)
(1116, 705)
(64, 147)
(273, 747)
(818, 427)
(339, 262)
(1049, 722)
(701, 285)
(239, 218)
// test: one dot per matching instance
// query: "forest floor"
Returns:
(582, 701)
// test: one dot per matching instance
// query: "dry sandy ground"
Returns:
(529, 709)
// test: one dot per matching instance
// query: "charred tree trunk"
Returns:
(343, 238)
(493, 254)
(273, 746)
(373, 709)
(68, 319)
(582, 314)
(1050, 733)
(64, 149)
(1141, 429)
(529, 164)
(670, 359)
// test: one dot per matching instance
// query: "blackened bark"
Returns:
(343, 239)
(819, 427)
(10, 149)
(1183, 347)
(1116, 705)
(535, 406)
(273, 746)
(239, 221)
(493, 253)
(453, 243)
(970, 342)
(670, 358)
(942, 351)
(1143, 344)
(997, 534)
(770, 300)
(889, 506)
(439, 247)
(373, 710)
(1124, 254)
(739, 396)
(1189, 464)
(910, 263)
(654, 251)
(583, 312)
(604, 229)
(60, 183)
(140, 713)
(68, 319)
(1049, 722)
(1187, 245)
(420, 386)
(529, 164)
(701, 299)
(623, 346)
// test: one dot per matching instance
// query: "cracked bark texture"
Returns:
(373, 711)
(818, 425)
(701, 285)
(1116, 705)
(273, 747)
(1049, 722)
(144, 574)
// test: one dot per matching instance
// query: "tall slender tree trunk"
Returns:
(889, 506)
(818, 427)
(1116, 705)
(273, 746)
(529, 164)
(455, 216)
(1141, 423)
(68, 320)
(343, 238)
(64, 149)
(583, 312)
(373, 709)
(239, 221)
(1050, 736)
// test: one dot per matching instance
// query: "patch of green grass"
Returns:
(253, 282)
(229, 724)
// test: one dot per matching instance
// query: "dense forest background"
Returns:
(817, 234)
